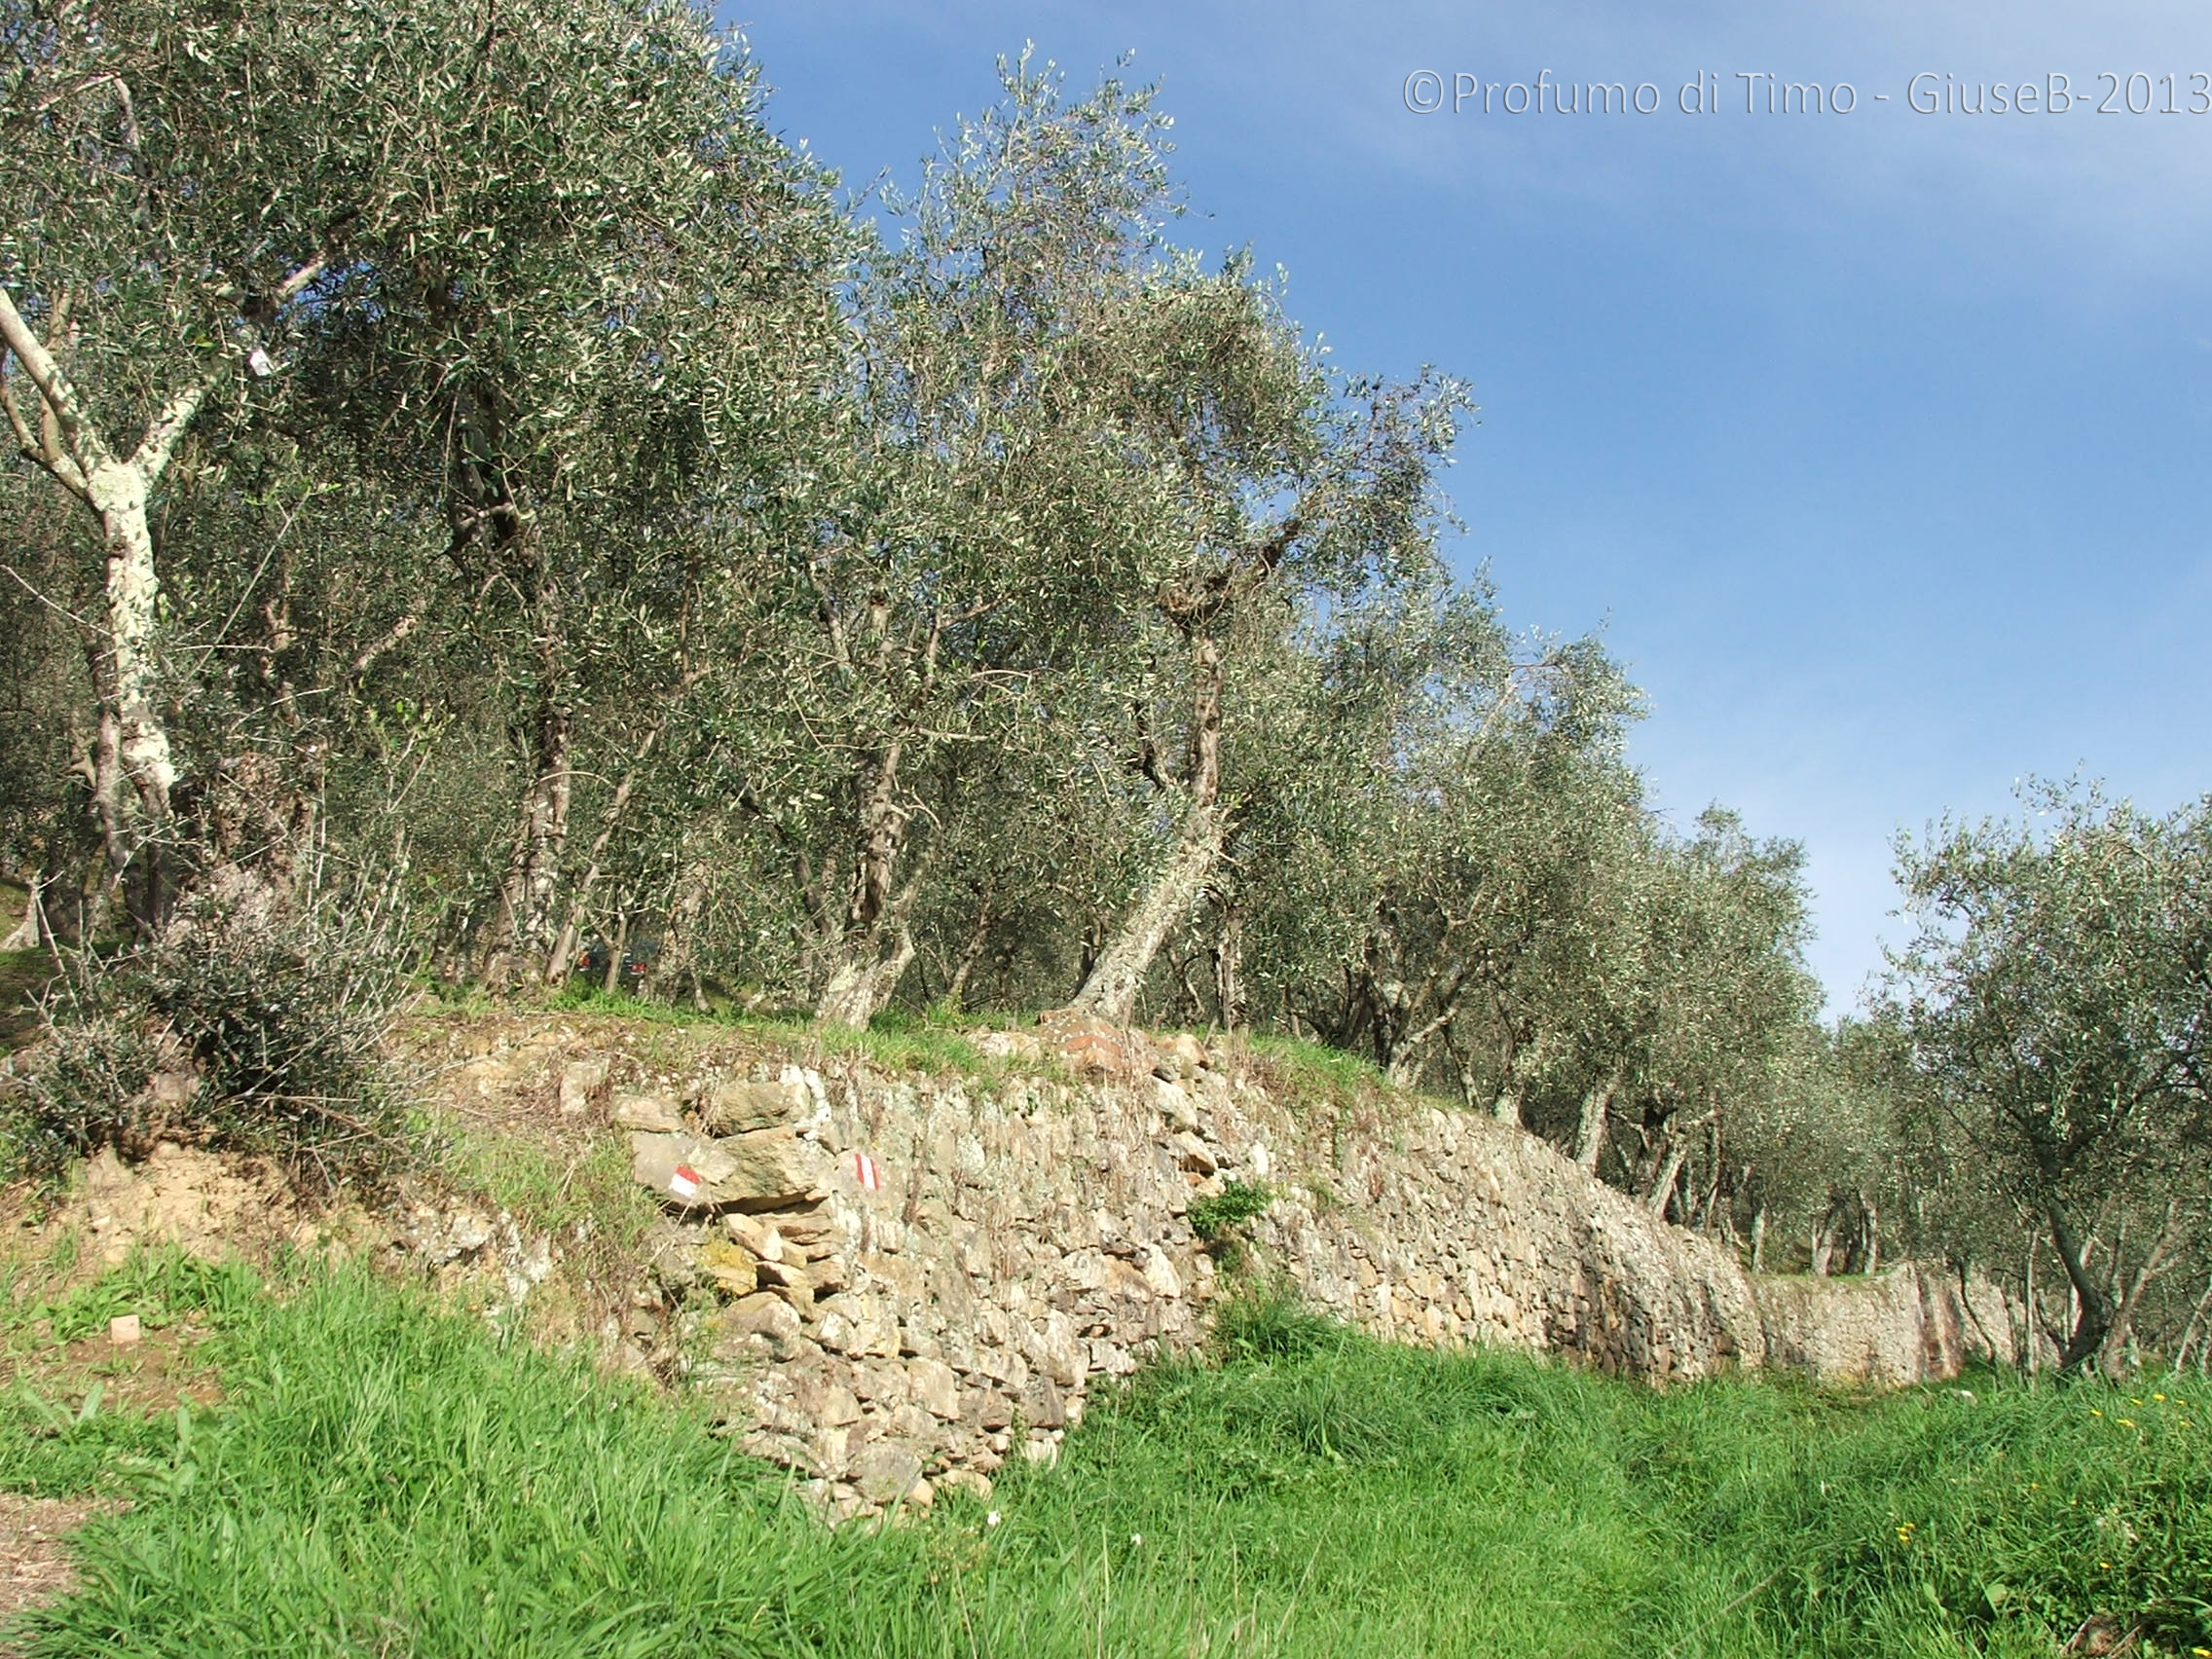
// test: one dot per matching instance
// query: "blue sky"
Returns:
(1874, 442)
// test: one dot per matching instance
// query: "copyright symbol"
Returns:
(1424, 92)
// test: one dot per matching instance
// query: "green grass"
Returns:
(546, 1188)
(382, 1477)
(161, 1286)
(1316, 1071)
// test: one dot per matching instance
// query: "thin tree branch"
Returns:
(53, 384)
(152, 457)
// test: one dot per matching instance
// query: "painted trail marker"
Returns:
(867, 1173)
(684, 1182)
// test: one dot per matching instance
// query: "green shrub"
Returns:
(254, 1035)
(85, 1087)
(1237, 1202)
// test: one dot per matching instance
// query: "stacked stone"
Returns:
(894, 1283)
(922, 1278)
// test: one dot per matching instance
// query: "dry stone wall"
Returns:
(917, 1278)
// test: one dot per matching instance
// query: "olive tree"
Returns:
(543, 275)
(999, 518)
(1296, 486)
(181, 183)
(605, 349)
(2058, 994)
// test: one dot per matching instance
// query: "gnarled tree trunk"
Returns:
(134, 742)
(1110, 990)
(872, 945)
(522, 941)
(979, 939)
(2114, 1353)
(1118, 975)
(1597, 1108)
(2093, 1310)
(862, 986)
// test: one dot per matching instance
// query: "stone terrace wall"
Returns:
(918, 1278)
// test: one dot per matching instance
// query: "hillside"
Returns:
(896, 1268)
(744, 596)
(1026, 1278)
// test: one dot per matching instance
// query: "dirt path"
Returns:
(34, 1551)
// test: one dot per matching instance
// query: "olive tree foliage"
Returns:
(1720, 986)
(1820, 1158)
(1485, 783)
(47, 843)
(526, 267)
(2056, 997)
(1515, 898)
(471, 448)
(979, 542)
(1440, 859)
(1299, 488)
(1081, 453)
(182, 182)
(608, 359)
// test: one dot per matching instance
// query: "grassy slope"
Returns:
(384, 1478)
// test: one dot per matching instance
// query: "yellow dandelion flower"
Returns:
(2094, 1412)
(2124, 1422)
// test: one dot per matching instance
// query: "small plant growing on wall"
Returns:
(1217, 1219)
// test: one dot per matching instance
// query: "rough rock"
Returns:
(735, 1272)
(762, 1314)
(1031, 1237)
(1189, 1053)
(583, 1082)
(764, 1169)
(936, 1387)
(733, 1108)
(887, 1470)
(759, 1238)
(655, 1114)
(1097, 1049)
(1193, 1153)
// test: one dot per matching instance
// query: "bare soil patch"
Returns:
(35, 1560)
